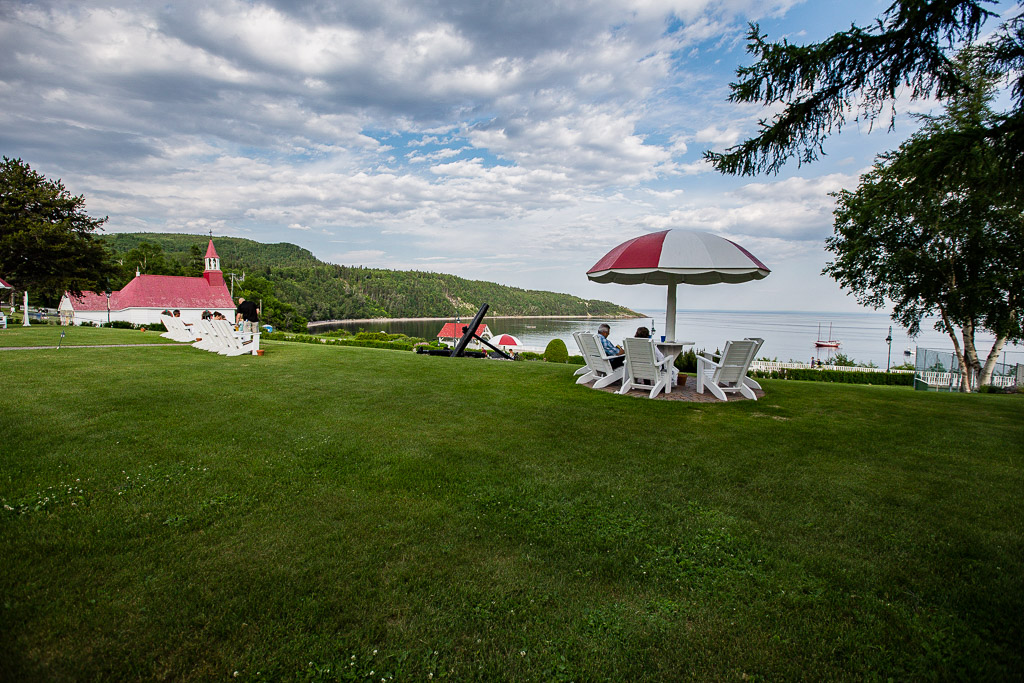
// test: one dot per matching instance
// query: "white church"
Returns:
(147, 296)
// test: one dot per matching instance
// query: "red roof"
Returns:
(158, 291)
(211, 252)
(4, 285)
(448, 331)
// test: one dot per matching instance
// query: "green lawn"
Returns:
(325, 513)
(49, 335)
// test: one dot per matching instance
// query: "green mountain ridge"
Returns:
(316, 290)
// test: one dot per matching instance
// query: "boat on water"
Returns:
(829, 343)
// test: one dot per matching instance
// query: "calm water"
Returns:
(787, 335)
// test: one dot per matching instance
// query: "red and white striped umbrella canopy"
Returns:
(506, 340)
(678, 256)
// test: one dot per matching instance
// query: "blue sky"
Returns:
(508, 141)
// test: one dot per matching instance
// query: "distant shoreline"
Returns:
(320, 323)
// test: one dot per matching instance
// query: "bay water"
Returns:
(788, 335)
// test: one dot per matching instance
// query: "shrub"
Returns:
(556, 352)
(123, 325)
(576, 360)
(687, 361)
(530, 355)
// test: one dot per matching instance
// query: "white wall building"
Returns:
(147, 296)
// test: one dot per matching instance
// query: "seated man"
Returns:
(616, 354)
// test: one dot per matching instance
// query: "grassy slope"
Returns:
(184, 515)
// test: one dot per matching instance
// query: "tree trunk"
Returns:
(973, 367)
(965, 383)
(990, 362)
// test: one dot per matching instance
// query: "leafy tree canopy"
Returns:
(46, 238)
(858, 72)
(949, 243)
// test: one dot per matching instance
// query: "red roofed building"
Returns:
(147, 296)
(452, 333)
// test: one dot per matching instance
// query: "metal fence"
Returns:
(940, 370)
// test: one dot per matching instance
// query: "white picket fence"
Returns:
(952, 379)
(769, 366)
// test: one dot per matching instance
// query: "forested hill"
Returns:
(324, 291)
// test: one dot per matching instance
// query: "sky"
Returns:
(515, 142)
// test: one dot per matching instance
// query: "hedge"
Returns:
(840, 376)
(310, 339)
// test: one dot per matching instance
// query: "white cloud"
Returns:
(511, 141)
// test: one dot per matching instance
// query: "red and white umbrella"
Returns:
(671, 257)
(505, 341)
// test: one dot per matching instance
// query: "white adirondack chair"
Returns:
(729, 375)
(601, 371)
(644, 370)
(168, 322)
(235, 345)
(177, 330)
(207, 338)
(586, 368)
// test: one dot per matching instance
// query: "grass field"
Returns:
(335, 513)
(49, 335)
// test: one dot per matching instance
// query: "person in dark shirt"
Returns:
(247, 315)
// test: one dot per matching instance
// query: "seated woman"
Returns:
(644, 333)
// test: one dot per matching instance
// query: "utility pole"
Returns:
(233, 278)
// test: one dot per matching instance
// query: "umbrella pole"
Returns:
(670, 313)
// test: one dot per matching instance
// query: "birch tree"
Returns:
(936, 239)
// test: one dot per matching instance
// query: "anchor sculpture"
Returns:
(469, 333)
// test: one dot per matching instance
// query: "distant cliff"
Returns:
(324, 291)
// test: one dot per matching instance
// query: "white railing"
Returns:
(769, 366)
(952, 379)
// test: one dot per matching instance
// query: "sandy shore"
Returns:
(318, 323)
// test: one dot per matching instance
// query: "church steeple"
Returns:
(212, 260)
(212, 272)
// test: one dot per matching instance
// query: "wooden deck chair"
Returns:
(177, 330)
(586, 368)
(168, 322)
(728, 375)
(207, 338)
(644, 370)
(749, 381)
(601, 371)
(234, 344)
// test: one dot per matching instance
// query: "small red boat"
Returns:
(829, 343)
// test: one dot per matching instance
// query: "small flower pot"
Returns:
(259, 352)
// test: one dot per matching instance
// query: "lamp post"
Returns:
(108, 292)
(888, 340)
